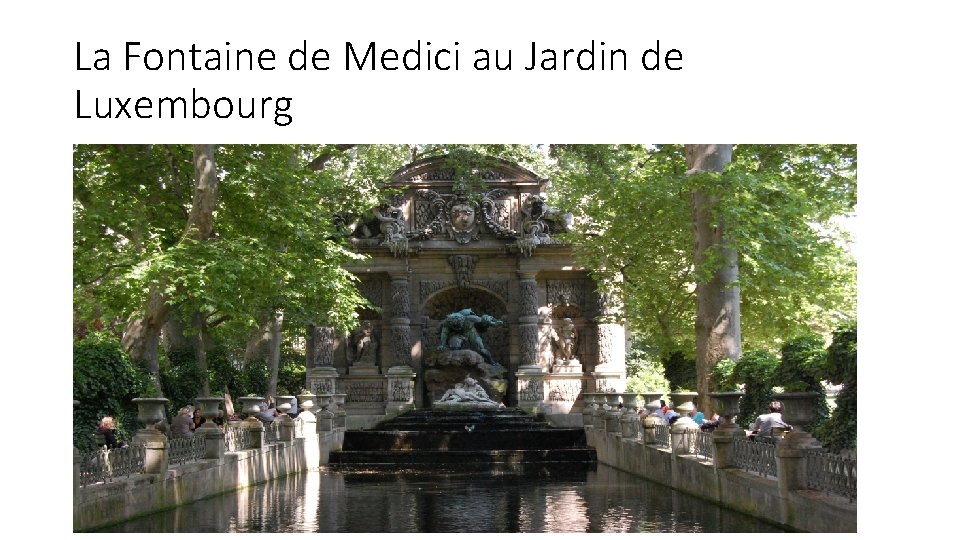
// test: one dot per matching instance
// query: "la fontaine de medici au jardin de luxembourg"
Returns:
(470, 257)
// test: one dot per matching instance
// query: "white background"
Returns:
(880, 75)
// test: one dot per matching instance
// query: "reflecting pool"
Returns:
(531, 500)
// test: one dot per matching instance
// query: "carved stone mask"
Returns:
(461, 217)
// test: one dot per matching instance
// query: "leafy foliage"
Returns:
(681, 370)
(801, 369)
(104, 382)
(644, 374)
(292, 373)
(755, 370)
(840, 430)
(781, 205)
(180, 377)
(723, 375)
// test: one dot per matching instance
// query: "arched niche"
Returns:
(481, 301)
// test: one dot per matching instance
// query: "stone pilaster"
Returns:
(530, 388)
(400, 380)
(611, 369)
(400, 320)
(527, 319)
(723, 442)
(156, 458)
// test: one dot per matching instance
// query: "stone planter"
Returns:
(285, 400)
(612, 399)
(151, 411)
(629, 400)
(324, 401)
(209, 407)
(250, 404)
(727, 405)
(682, 402)
(799, 408)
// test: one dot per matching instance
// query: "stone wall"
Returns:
(104, 504)
(803, 510)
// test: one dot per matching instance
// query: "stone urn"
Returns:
(612, 399)
(250, 404)
(151, 410)
(308, 401)
(209, 406)
(285, 400)
(682, 402)
(799, 408)
(629, 400)
(340, 400)
(727, 405)
(651, 400)
(324, 401)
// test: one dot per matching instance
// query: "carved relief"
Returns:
(400, 297)
(364, 391)
(322, 386)
(455, 299)
(528, 344)
(363, 345)
(458, 215)
(463, 267)
(401, 390)
(565, 390)
(401, 345)
(609, 343)
(323, 341)
(563, 292)
(530, 389)
(528, 297)
(372, 290)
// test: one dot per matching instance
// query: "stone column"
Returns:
(400, 380)
(528, 319)
(611, 370)
(530, 388)
(322, 376)
(400, 320)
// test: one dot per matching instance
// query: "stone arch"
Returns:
(482, 301)
(450, 299)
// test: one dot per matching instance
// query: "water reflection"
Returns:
(605, 500)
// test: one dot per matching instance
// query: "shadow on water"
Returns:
(535, 500)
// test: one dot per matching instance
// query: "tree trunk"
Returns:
(141, 337)
(200, 351)
(718, 298)
(273, 361)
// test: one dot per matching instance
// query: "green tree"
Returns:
(839, 432)
(779, 207)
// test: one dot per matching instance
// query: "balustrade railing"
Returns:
(271, 431)
(755, 456)
(185, 449)
(661, 435)
(832, 473)
(104, 464)
(236, 438)
(700, 443)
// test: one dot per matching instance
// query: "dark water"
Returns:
(605, 500)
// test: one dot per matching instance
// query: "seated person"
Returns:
(770, 424)
(182, 424)
(107, 429)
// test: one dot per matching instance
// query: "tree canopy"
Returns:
(783, 207)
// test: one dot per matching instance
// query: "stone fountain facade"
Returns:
(483, 239)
